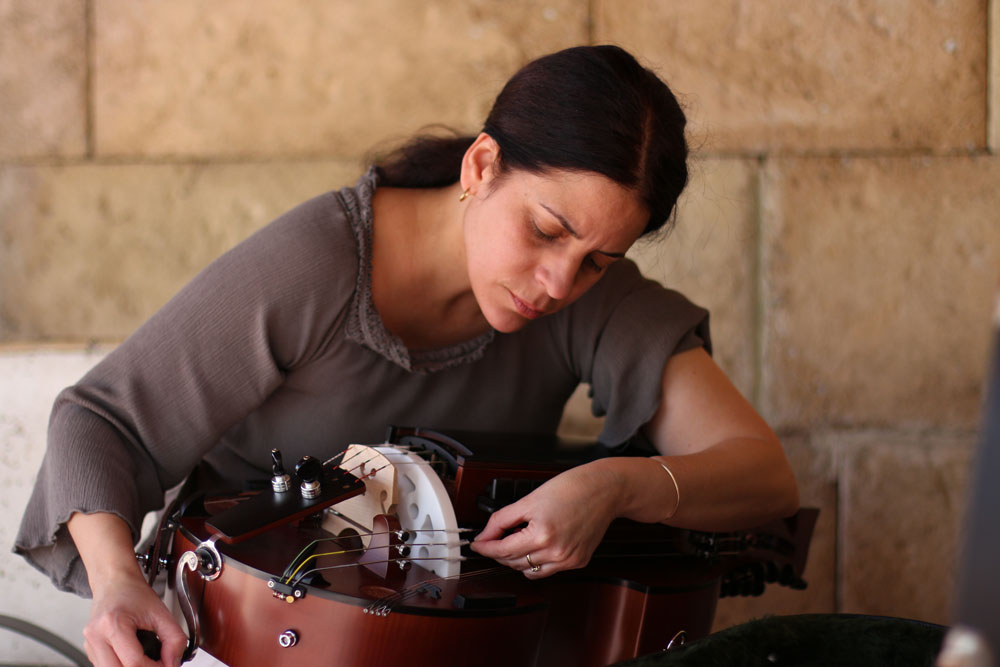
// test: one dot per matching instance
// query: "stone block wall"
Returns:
(842, 221)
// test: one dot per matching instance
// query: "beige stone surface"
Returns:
(30, 379)
(711, 256)
(814, 462)
(89, 252)
(42, 78)
(902, 501)
(879, 277)
(806, 76)
(994, 82)
(577, 420)
(305, 78)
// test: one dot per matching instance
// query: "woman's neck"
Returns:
(420, 280)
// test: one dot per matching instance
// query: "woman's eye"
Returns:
(592, 265)
(539, 233)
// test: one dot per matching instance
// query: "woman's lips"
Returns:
(525, 309)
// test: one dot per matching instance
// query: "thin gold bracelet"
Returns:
(676, 487)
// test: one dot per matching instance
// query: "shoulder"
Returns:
(319, 227)
(310, 246)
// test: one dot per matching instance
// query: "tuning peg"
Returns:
(309, 471)
(281, 481)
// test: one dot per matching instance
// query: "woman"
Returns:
(468, 283)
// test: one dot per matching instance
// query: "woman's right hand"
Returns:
(123, 606)
(123, 601)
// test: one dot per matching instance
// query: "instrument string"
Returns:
(339, 566)
(305, 549)
(362, 450)
(646, 554)
(372, 472)
(288, 579)
(334, 458)
(356, 524)
(447, 531)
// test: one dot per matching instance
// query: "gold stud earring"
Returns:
(465, 195)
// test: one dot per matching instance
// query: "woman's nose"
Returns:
(557, 276)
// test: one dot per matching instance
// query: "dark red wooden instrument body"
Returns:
(644, 585)
(590, 617)
(241, 623)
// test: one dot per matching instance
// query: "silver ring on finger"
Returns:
(534, 568)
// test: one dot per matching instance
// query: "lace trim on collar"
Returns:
(364, 325)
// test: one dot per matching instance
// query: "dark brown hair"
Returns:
(588, 108)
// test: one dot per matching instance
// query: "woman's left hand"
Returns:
(563, 522)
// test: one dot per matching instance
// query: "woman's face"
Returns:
(536, 242)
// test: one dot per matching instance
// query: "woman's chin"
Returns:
(507, 322)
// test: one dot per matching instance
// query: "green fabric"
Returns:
(813, 640)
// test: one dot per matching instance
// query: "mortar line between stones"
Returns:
(992, 93)
(222, 160)
(178, 161)
(838, 529)
(757, 290)
(590, 21)
(88, 39)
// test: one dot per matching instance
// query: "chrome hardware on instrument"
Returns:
(281, 481)
(288, 639)
(206, 561)
(309, 471)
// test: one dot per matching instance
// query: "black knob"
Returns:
(309, 469)
(151, 645)
(276, 468)
(281, 481)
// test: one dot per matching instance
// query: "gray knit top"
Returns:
(278, 344)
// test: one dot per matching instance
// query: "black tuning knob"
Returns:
(309, 471)
(276, 467)
(281, 481)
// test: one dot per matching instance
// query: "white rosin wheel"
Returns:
(401, 483)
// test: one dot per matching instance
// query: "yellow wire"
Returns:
(329, 553)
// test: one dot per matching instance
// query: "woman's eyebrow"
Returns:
(572, 232)
(563, 221)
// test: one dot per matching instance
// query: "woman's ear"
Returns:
(479, 164)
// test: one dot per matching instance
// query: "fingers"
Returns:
(533, 539)
(116, 649)
(563, 522)
(173, 640)
(509, 548)
(128, 650)
(101, 654)
(118, 615)
(525, 552)
(501, 521)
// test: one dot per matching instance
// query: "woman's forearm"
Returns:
(105, 544)
(734, 484)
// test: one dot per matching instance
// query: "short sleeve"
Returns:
(631, 327)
